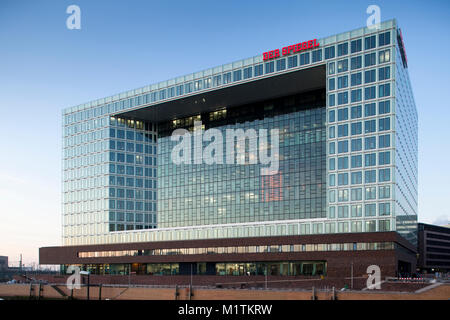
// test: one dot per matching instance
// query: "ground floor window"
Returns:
(271, 268)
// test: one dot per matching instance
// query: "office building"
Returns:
(336, 117)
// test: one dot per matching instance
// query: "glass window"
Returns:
(342, 114)
(331, 100)
(258, 70)
(130, 135)
(281, 64)
(332, 164)
(384, 38)
(356, 95)
(369, 93)
(342, 65)
(356, 194)
(329, 52)
(198, 85)
(384, 73)
(331, 132)
(356, 63)
(356, 144)
(356, 112)
(384, 107)
(342, 49)
(331, 68)
(369, 42)
(130, 158)
(332, 148)
(269, 66)
(384, 225)
(369, 76)
(237, 75)
(292, 61)
(356, 177)
(369, 110)
(384, 175)
(369, 143)
(384, 158)
(370, 226)
(120, 157)
(332, 196)
(120, 145)
(384, 141)
(343, 97)
(217, 80)
(227, 77)
(317, 55)
(370, 59)
(188, 87)
(356, 45)
(304, 58)
(370, 176)
(370, 193)
(207, 82)
(384, 90)
(342, 163)
(331, 116)
(370, 159)
(369, 126)
(121, 134)
(356, 79)
(331, 84)
(384, 56)
(342, 227)
(342, 195)
(331, 212)
(356, 129)
(342, 82)
(370, 210)
(171, 92)
(343, 211)
(130, 146)
(356, 210)
(332, 180)
(248, 73)
(384, 192)
(384, 209)
(120, 169)
(343, 146)
(357, 161)
(384, 124)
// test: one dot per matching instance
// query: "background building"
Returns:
(434, 248)
(3, 263)
(348, 164)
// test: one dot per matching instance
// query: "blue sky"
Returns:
(44, 67)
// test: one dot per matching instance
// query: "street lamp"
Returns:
(86, 273)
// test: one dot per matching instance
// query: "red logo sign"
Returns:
(290, 49)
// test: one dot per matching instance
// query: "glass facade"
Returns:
(203, 194)
(368, 122)
(275, 268)
(347, 164)
(406, 149)
(132, 175)
(316, 247)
